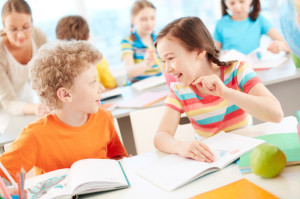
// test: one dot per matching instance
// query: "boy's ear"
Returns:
(200, 54)
(64, 95)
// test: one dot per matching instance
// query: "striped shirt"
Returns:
(211, 114)
(138, 49)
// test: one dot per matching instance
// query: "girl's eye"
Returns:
(170, 58)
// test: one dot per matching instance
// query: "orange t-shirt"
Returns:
(49, 144)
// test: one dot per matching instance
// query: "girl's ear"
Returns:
(200, 54)
(64, 94)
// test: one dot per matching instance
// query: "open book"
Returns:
(173, 171)
(258, 59)
(149, 83)
(84, 176)
(111, 93)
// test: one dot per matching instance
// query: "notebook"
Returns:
(149, 83)
(173, 171)
(241, 189)
(259, 59)
(287, 142)
(144, 100)
(84, 176)
(111, 93)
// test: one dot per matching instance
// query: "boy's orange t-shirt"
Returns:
(49, 144)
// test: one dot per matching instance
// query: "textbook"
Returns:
(149, 82)
(84, 176)
(259, 59)
(241, 189)
(144, 100)
(287, 142)
(174, 171)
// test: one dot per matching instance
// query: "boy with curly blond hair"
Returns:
(64, 76)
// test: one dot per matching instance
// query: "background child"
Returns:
(64, 76)
(215, 95)
(138, 51)
(76, 27)
(242, 28)
(19, 41)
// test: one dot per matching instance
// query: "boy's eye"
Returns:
(170, 58)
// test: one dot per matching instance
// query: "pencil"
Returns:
(22, 181)
(156, 58)
(8, 176)
(4, 189)
(19, 185)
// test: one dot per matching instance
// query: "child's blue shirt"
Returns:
(243, 36)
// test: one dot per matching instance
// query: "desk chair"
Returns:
(145, 124)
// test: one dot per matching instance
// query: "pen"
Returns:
(8, 176)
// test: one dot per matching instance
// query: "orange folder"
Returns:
(241, 189)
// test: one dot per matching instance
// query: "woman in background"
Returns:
(19, 41)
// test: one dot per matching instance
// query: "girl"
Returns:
(19, 41)
(138, 52)
(243, 27)
(214, 95)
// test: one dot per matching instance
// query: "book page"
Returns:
(91, 175)
(173, 171)
(149, 83)
(230, 146)
(54, 184)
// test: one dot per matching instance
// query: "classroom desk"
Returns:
(286, 185)
(15, 127)
(122, 114)
(284, 83)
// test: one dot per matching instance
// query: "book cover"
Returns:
(241, 189)
(144, 100)
(173, 171)
(287, 142)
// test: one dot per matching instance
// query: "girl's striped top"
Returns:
(211, 114)
(138, 49)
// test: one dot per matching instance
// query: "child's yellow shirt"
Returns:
(104, 75)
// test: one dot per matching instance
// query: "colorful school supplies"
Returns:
(4, 189)
(8, 175)
(287, 142)
(242, 188)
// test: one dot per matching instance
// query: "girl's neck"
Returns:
(146, 38)
(71, 117)
(239, 18)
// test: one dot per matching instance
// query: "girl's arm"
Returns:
(134, 70)
(164, 139)
(278, 43)
(259, 102)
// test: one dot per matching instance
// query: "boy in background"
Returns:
(64, 76)
(76, 27)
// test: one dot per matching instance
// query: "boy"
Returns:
(64, 76)
(76, 27)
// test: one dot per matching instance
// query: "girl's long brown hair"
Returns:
(193, 35)
(254, 7)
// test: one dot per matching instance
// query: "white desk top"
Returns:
(286, 71)
(286, 185)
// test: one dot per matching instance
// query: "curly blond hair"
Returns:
(56, 65)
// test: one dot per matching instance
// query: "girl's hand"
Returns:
(195, 150)
(40, 110)
(148, 58)
(211, 84)
(276, 46)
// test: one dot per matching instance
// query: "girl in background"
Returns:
(19, 41)
(241, 28)
(215, 95)
(138, 52)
